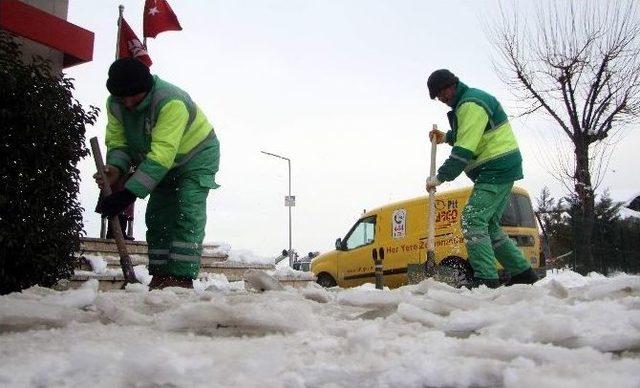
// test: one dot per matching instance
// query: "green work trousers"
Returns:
(177, 214)
(483, 235)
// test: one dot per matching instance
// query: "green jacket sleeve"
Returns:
(165, 140)
(472, 120)
(448, 138)
(117, 148)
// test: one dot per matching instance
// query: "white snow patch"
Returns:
(212, 282)
(314, 291)
(119, 314)
(286, 272)
(219, 248)
(565, 277)
(368, 298)
(98, 263)
(142, 274)
(248, 257)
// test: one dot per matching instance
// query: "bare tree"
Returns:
(577, 63)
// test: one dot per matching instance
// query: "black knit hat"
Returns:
(439, 80)
(128, 77)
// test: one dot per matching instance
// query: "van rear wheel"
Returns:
(458, 272)
(326, 280)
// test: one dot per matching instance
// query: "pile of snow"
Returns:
(565, 331)
(244, 256)
(98, 263)
(286, 272)
(216, 249)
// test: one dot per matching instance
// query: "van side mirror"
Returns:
(339, 244)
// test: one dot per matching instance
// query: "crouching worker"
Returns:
(157, 128)
(485, 147)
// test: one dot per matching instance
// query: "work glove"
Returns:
(432, 182)
(438, 135)
(115, 203)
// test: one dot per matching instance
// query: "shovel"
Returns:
(442, 273)
(416, 272)
(430, 267)
(125, 259)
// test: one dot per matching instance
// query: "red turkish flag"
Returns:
(159, 17)
(130, 46)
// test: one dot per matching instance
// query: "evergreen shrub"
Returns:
(41, 143)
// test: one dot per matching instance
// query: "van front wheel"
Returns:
(326, 280)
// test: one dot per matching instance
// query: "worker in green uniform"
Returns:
(485, 147)
(155, 127)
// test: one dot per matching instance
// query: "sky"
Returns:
(566, 331)
(339, 87)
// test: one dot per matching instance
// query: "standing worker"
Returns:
(485, 147)
(157, 128)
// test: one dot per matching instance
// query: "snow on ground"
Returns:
(286, 272)
(565, 331)
(237, 255)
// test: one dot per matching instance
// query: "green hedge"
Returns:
(42, 140)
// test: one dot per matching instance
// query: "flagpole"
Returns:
(144, 38)
(121, 11)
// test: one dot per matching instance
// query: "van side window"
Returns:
(510, 214)
(525, 211)
(518, 212)
(362, 233)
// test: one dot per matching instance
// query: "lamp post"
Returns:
(289, 201)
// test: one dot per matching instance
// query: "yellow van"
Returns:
(401, 230)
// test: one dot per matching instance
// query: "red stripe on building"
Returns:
(29, 22)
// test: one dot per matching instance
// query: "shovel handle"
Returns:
(432, 200)
(434, 146)
(125, 259)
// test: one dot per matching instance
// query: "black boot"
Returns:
(491, 283)
(162, 281)
(527, 277)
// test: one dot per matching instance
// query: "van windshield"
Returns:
(362, 233)
(518, 212)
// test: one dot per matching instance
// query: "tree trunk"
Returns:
(583, 224)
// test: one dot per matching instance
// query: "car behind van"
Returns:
(400, 229)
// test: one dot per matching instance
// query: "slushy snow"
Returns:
(565, 331)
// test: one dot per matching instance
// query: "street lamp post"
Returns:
(289, 201)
